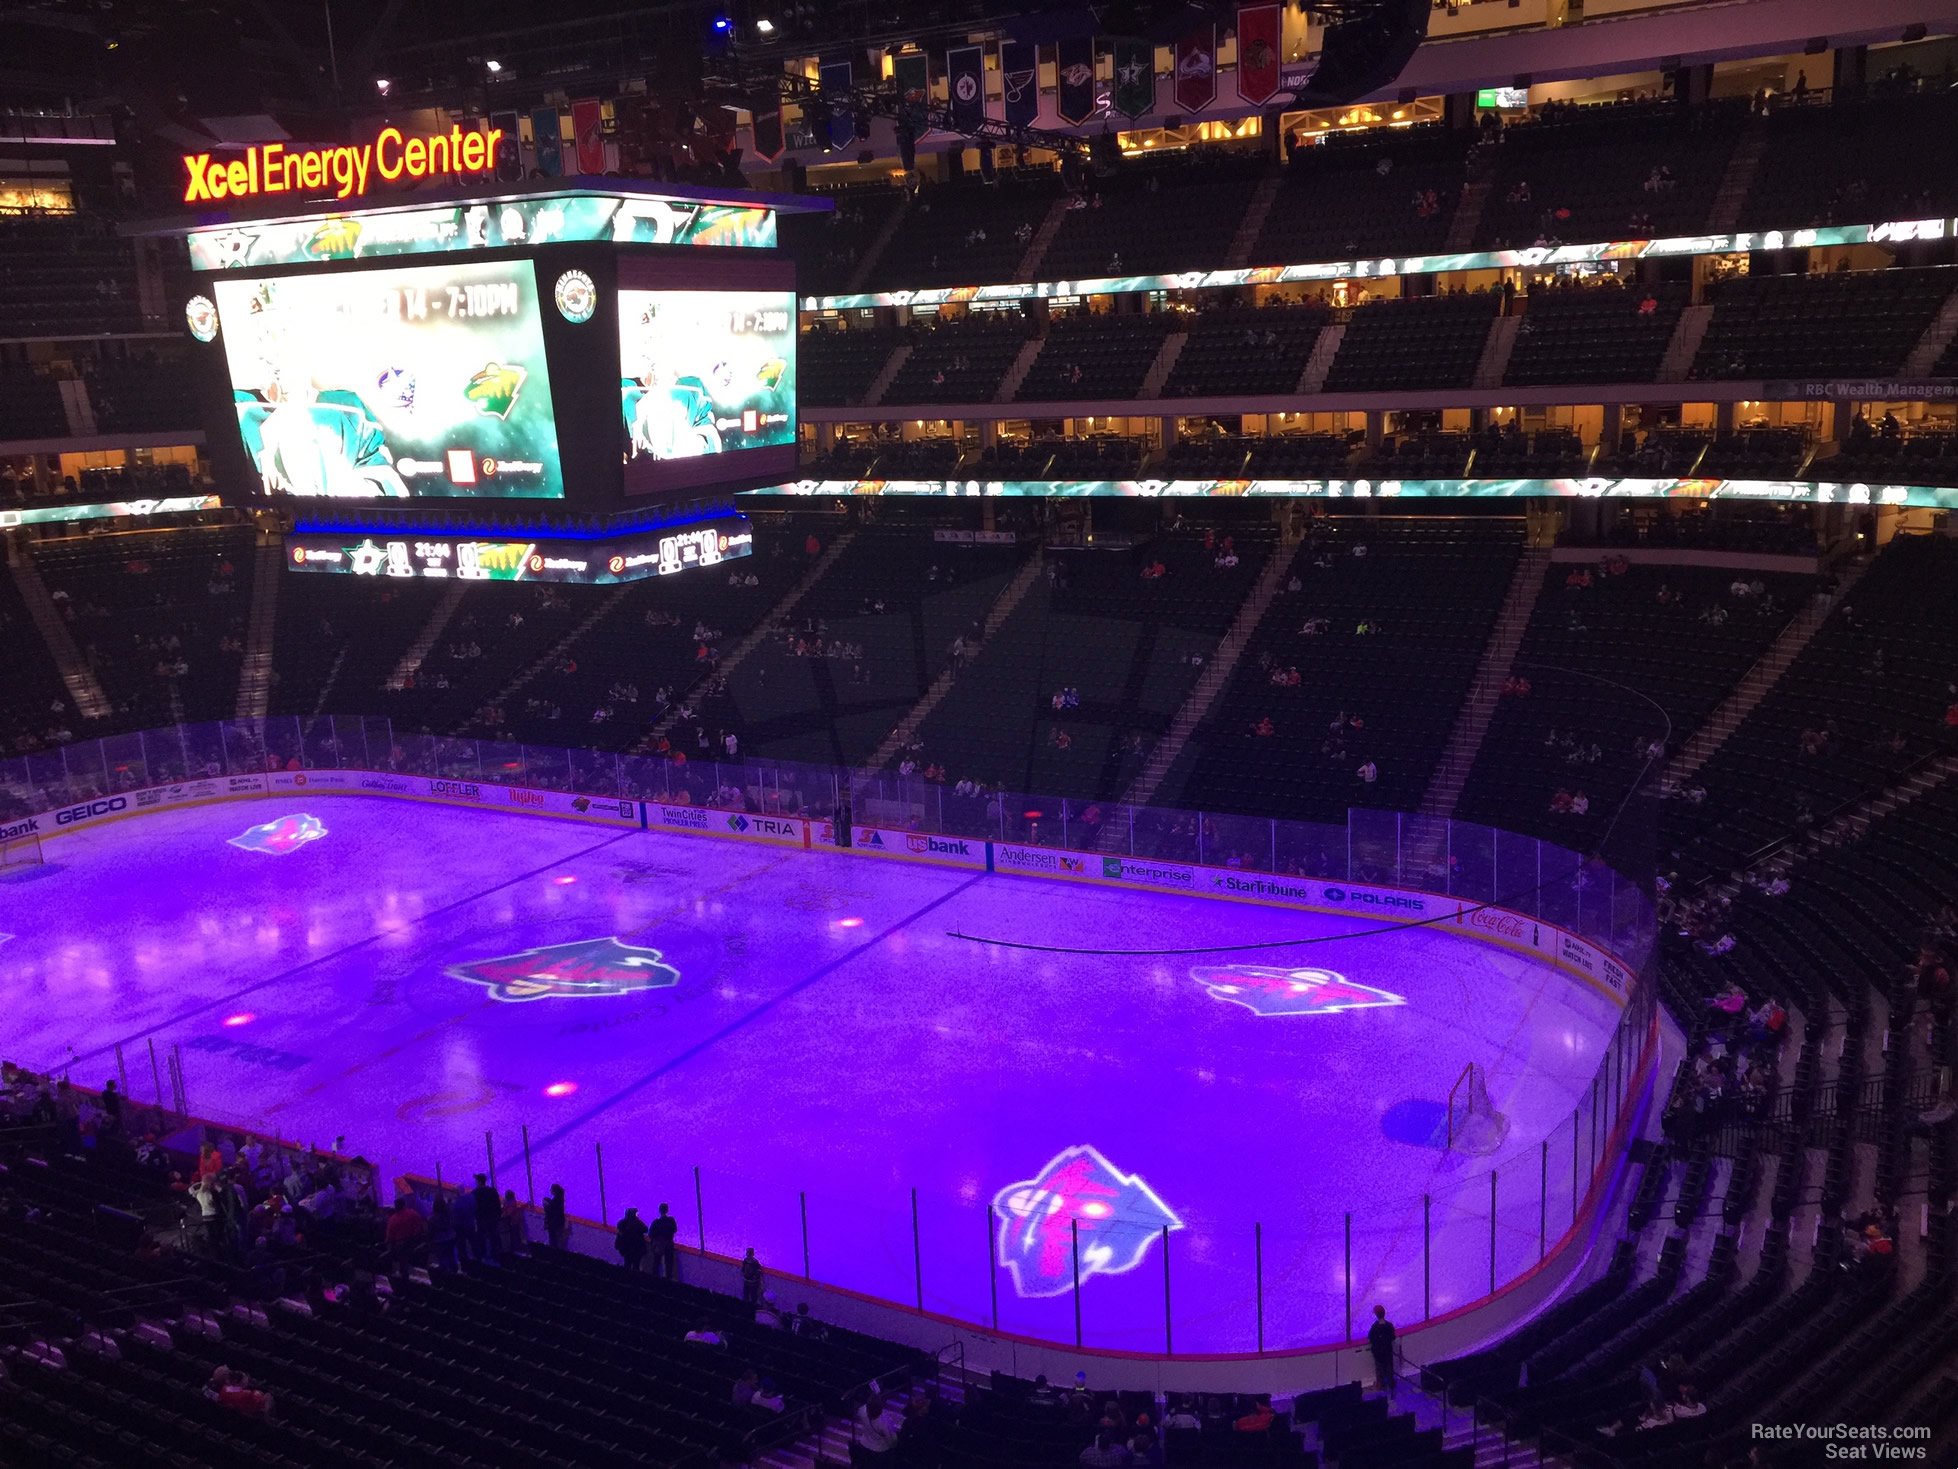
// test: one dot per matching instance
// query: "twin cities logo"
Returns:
(1079, 1200)
(281, 838)
(1266, 990)
(562, 971)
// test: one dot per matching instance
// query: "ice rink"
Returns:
(806, 1030)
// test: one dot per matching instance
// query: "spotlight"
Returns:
(765, 26)
(381, 85)
(722, 24)
(494, 66)
(560, 1088)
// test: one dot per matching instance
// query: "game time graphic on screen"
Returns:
(704, 373)
(425, 381)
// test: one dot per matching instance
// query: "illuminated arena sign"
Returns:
(607, 562)
(281, 838)
(593, 967)
(1787, 492)
(391, 157)
(106, 510)
(1079, 1195)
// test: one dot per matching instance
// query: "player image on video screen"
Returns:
(706, 372)
(428, 381)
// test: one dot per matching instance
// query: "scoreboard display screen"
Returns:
(418, 382)
(702, 374)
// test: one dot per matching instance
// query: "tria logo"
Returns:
(1079, 1197)
(737, 822)
(1265, 990)
(562, 971)
(282, 837)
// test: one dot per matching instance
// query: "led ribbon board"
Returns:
(567, 562)
(1788, 492)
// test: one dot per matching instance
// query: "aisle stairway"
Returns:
(255, 674)
(83, 688)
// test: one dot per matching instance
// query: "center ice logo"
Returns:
(1078, 1195)
(282, 837)
(562, 971)
(1265, 990)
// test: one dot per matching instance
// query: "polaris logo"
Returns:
(92, 809)
(1375, 900)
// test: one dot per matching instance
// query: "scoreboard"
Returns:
(594, 348)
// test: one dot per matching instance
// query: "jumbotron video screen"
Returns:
(418, 381)
(703, 373)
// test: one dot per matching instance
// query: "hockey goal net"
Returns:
(1474, 1124)
(20, 851)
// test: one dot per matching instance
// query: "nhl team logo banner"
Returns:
(1135, 78)
(509, 147)
(836, 78)
(547, 142)
(588, 127)
(767, 112)
(1258, 53)
(912, 73)
(965, 81)
(1075, 65)
(1196, 69)
(1019, 74)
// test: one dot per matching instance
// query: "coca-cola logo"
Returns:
(1499, 923)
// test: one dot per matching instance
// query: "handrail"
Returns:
(1869, 793)
(1483, 1409)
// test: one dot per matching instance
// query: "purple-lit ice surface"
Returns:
(807, 1031)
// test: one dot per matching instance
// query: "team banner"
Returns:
(484, 224)
(1259, 32)
(836, 78)
(588, 128)
(965, 83)
(1135, 78)
(547, 142)
(1019, 74)
(1074, 67)
(766, 109)
(1788, 492)
(912, 73)
(1196, 68)
(508, 131)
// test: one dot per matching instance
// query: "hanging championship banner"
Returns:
(1135, 78)
(965, 82)
(509, 147)
(835, 79)
(1075, 63)
(766, 109)
(1258, 53)
(588, 129)
(912, 73)
(547, 142)
(1196, 69)
(1019, 73)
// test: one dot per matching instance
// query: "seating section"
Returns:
(144, 393)
(1810, 326)
(65, 276)
(1352, 196)
(1606, 643)
(159, 618)
(1630, 171)
(959, 359)
(1246, 351)
(1610, 333)
(37, 713)
(1088, 355)
(1838, 164)
(852, 656)
(1894, 454)
(829, 248)
(1130, 645)
(339, 638)
(1866, 698)
(1427, 595)
(34, 409)
(1418, 342)
(1155, 218)
(967, 233)
(838, 367)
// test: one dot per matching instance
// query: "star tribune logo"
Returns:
(1078, 1199)
(1265, 990)
(563, 971)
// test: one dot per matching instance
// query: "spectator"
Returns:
(406, 1233)
(705, 1335)
(1380, 1344)
(1368, 773)
(876, 1432)
(1107, 1450)
(514, 1236)
(750, 1278)
(555, 1228)
(234, 1391)
(489, 1216)
(630, 1240)
(745, 1388)
(663, 1231)
(1259, 1419)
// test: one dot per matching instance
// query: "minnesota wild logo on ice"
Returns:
(561, 971)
